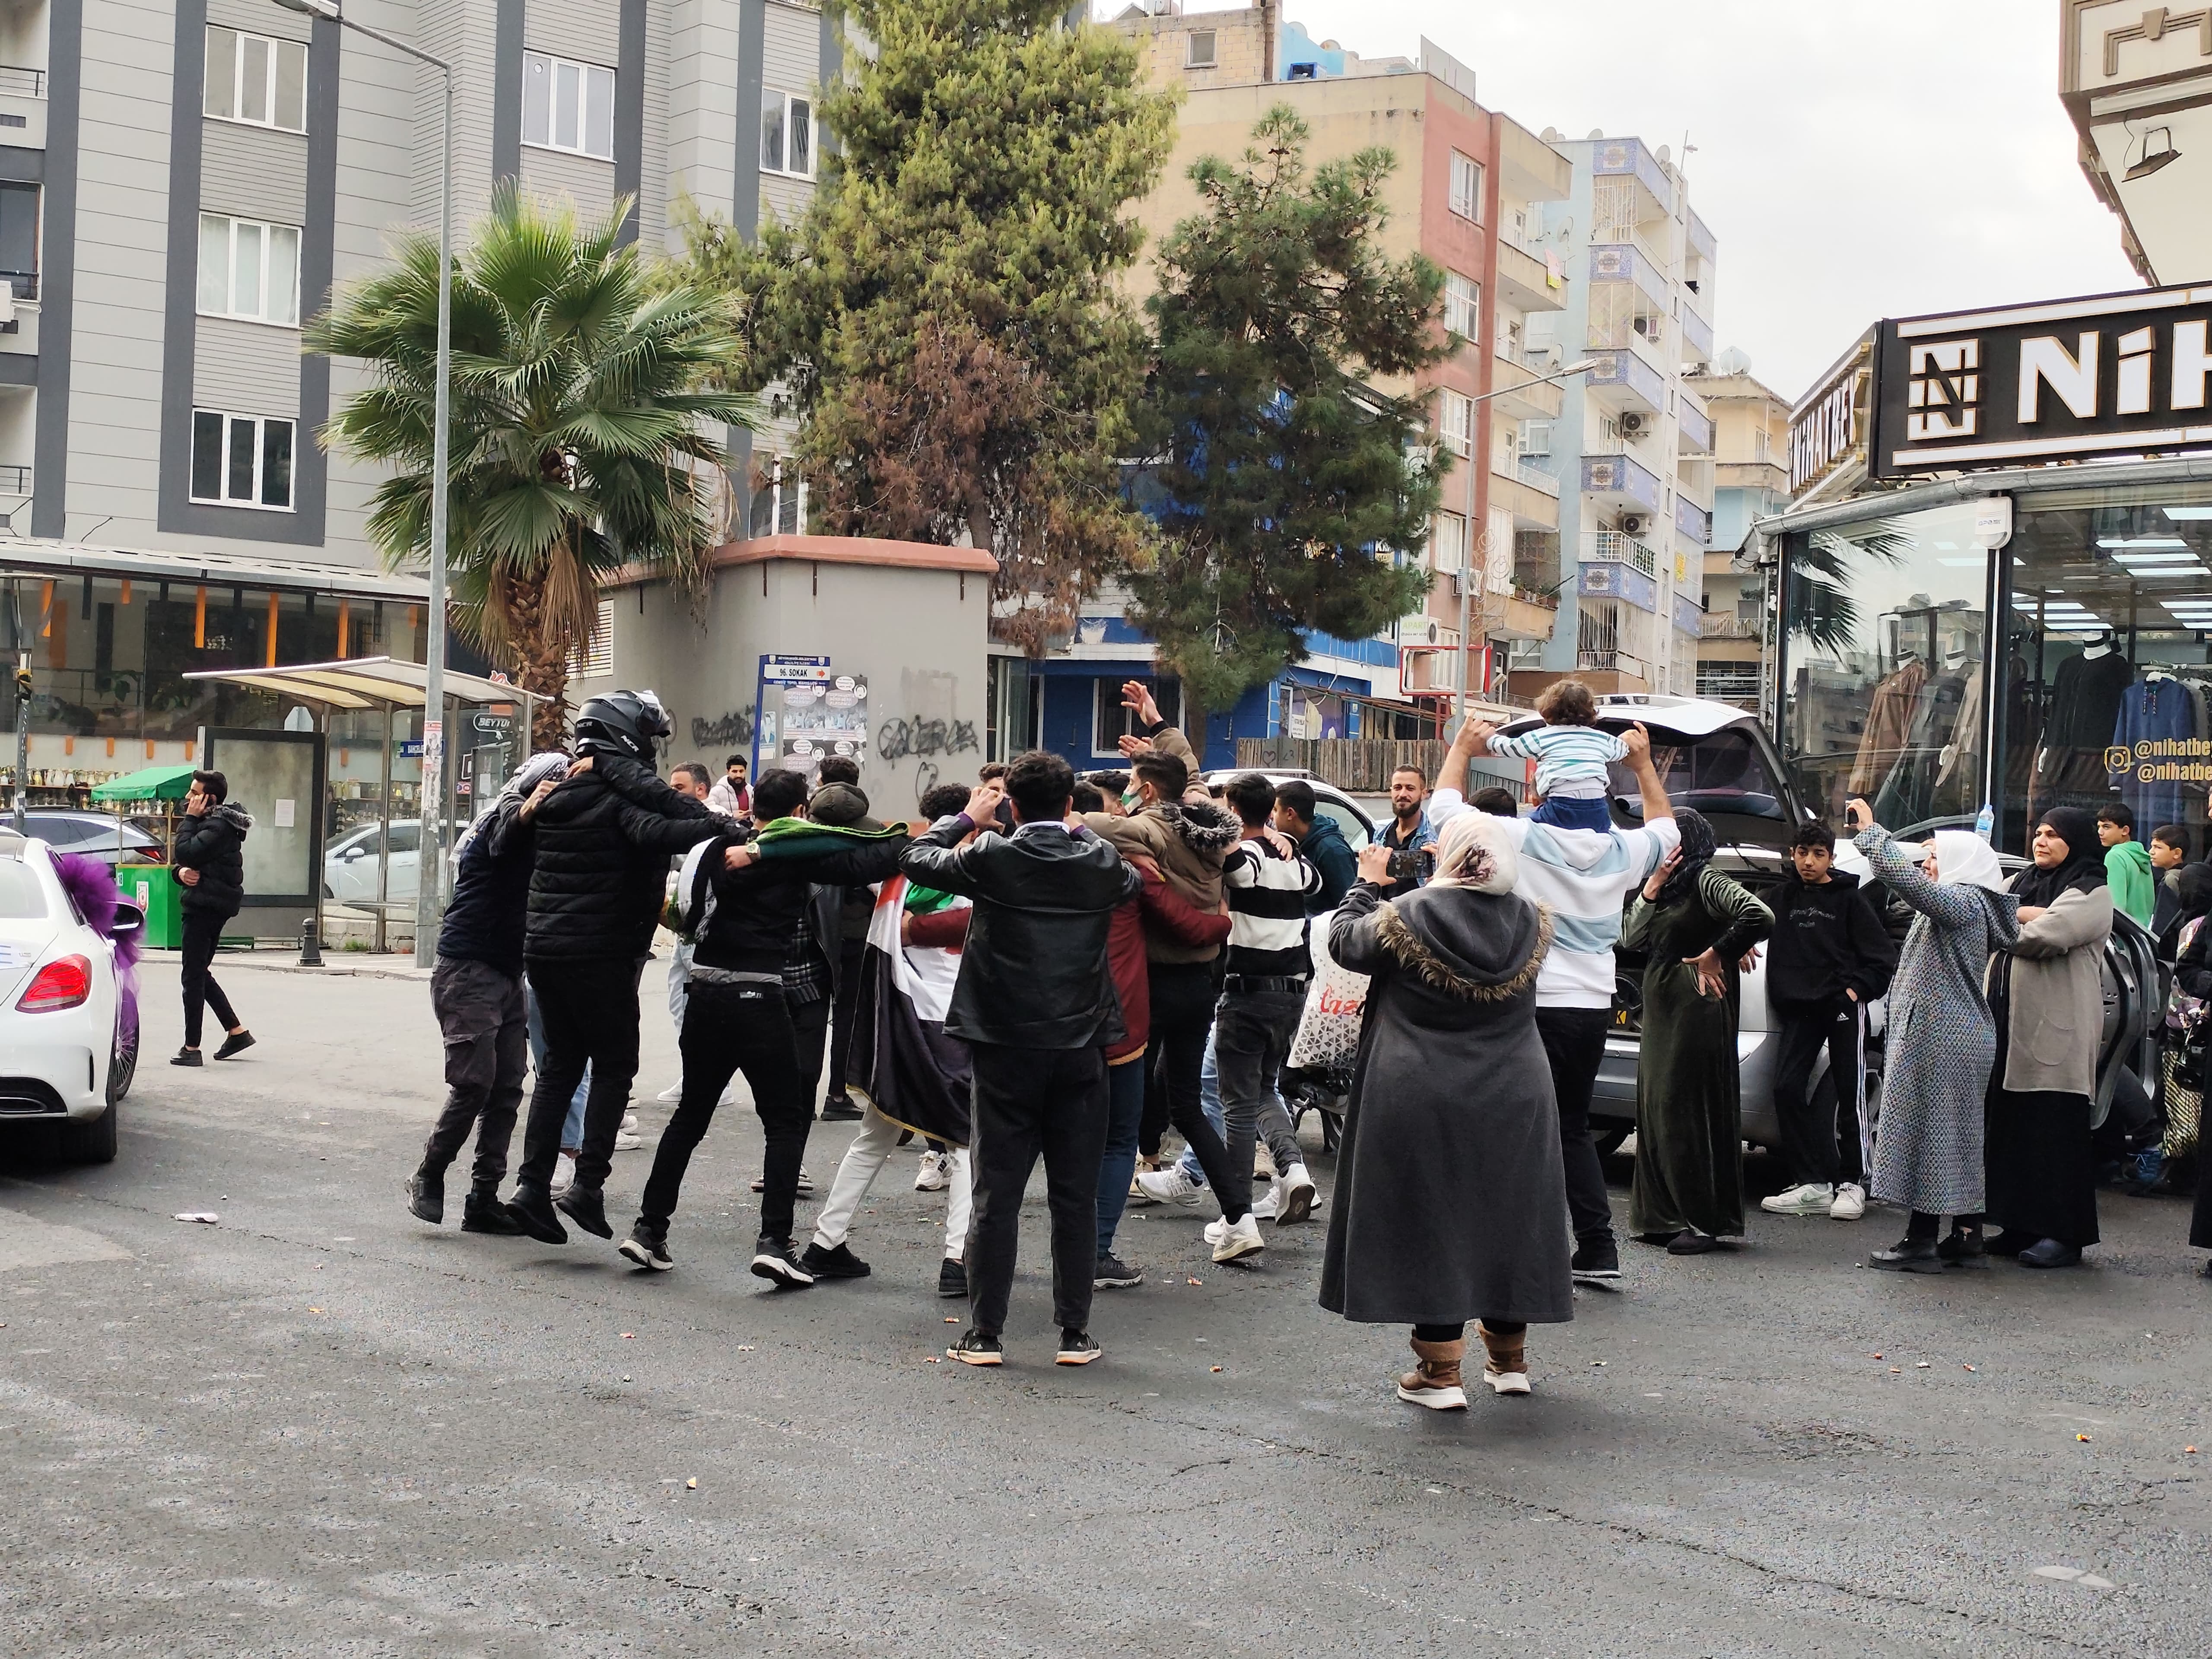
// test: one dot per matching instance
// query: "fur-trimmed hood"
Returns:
(1201, 826)
(1469, 945)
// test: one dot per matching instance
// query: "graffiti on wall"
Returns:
(734, 728)
(898, 739)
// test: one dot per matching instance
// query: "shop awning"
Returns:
(364, 683)
(148, 783)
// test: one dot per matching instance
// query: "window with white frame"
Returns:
(567, 105)
(242, 460)
(1462, 306)
(257, 80)
(787, 134)
(1535, 439)
(249, 270)
(595, 658)
(1466, 186)
(1455, 422)
(1448, 542)
(1200, 54)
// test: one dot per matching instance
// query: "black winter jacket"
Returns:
(603, 840)
(1035, 972)
(755, 910)
(491, 893)
(214, 844)
(1827, 940)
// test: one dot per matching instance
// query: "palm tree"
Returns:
(584, 396)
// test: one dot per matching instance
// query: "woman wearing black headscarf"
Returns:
(2048, 994)
(1693, 925)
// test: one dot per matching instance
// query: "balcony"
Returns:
(1525, 282)
(1519, 393)
(1612, 547)
(1520, 615)
(1692, 520)
(22, 108)
(1615, 662)
(1625, 383)
(1688, 616)
(1601, 580)
(1697, 428)
(14, 481)
(1620, 481)
(1532, 508)
(1696, 337)
(1741, 690)
(1534, 474)
(1721, 625)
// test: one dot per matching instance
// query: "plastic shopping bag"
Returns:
(1329, 1031)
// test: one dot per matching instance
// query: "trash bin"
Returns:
(152, 888)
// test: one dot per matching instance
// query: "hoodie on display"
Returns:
(1827, 940)
(2127, 869)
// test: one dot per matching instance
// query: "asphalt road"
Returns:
(319, 1427)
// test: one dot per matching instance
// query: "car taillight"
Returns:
(61, 983)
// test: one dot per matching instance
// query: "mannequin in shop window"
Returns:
(2084, 707)
(1910, 793)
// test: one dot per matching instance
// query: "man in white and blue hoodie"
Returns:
(1584, 877)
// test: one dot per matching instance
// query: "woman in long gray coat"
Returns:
(1450, 1202)
(1942, 1039)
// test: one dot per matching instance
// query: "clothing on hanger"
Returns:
(2085, 700)
(2152, 710)
(1889, 719)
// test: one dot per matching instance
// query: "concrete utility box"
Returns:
(906, 623)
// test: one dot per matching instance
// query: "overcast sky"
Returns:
(1876, 158)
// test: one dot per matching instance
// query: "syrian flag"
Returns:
(901, 1061)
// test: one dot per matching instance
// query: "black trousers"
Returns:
(810, 1025)
(729, 1029)
(1183, 997)
(588, 1006)
(1574, 1043)
(1810, 1143)
(203, 929)
(1030, 1103)
(851, 960)
(481, 1017)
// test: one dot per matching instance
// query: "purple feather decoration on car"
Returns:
(91, 887)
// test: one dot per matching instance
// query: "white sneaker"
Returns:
(1169, 1186)
(1265, 1205)
(671, 1094)
(1849, 1203)
(1216, 1229)
(564, 1174)
(1814, 1197)
(630, 1123)
(1295, 1195)
(1241, 1240)
(936, 1173)
(1138, 1196)
(626, 1142)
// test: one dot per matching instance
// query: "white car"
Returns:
(69, 1033)
(349, 863)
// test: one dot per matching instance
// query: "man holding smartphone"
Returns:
(1410, 836)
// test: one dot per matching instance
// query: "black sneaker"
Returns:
(186, 1057)
(585, 1208)
(1077, 1348)
(841, 1110)
(648, 1246)
(1964, 1249)
(533, 1212)
(426, 1195)
(952, 1278)
(1909, 1256)
(482, 1213)
(774, 1261)
(236, 1043)
(1691, 1242)
(1596, 1261)
(840, 1263)
(978, 1348)
(1112, 1273)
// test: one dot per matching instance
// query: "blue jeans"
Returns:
(1275, 1121)
(1125, 1109)
(1567, 812)
(572, 1128)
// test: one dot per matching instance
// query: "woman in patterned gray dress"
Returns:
(1942, 1039)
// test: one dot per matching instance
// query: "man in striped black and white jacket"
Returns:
(1266, 883)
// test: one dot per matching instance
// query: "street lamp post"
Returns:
(430, 861)
(1467, 552)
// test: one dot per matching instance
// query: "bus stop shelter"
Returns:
(382, 684)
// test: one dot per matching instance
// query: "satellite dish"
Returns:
(1733, 360)
(1665, 156)
(1597, 132)
(1550, 135)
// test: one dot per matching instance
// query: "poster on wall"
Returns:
(808, 712)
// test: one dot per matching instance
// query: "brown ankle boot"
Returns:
(1435, 1380)
(1505, 1366)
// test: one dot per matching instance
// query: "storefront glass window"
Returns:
(1883, 632)
(2109, 674)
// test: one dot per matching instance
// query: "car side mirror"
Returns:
(129, 919)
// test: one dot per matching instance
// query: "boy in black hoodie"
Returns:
(1829, 957)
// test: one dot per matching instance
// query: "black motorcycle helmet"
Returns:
(621, 723)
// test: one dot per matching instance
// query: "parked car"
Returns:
(350, 862)
(93, 835)
(1358, 828)
(68, 1030)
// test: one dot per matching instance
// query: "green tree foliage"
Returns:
(1282, 472)
(582, 397)
(944, 314)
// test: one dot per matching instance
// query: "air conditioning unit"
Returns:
(1635, 424)
(1635, 524)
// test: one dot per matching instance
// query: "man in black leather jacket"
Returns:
(603, 840)
(1036, 1004)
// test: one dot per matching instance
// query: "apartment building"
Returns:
(181, 184)
(1469, 189)
(2137, 83)
(1633, 447)
(1751, 480)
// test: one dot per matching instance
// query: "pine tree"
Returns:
(1282, 472)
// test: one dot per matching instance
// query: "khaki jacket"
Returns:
(2058, 996)
(1187, 842)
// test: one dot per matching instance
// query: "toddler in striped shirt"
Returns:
(1570, 754)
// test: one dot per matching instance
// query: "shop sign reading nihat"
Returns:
(2075, 379)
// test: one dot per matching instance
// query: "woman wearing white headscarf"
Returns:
(1942, 1039)
(1450, 1204)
